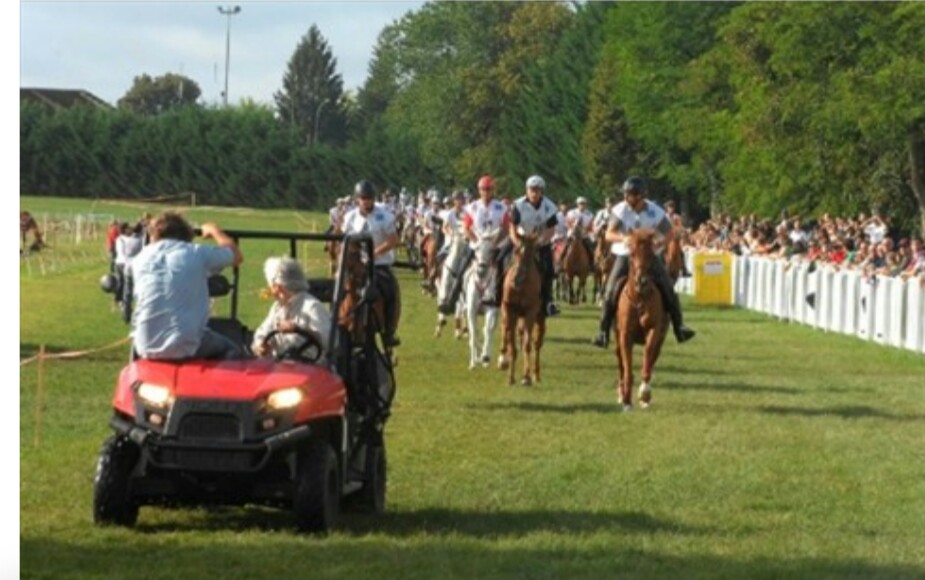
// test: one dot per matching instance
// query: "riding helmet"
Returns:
(486, 182)
(535, 181)
(635, 185)
(364, 189)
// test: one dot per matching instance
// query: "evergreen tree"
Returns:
(313, 91)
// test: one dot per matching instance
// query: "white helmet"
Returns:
(581, 200)
(536, 181)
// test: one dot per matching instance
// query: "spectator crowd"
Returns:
(863, 243)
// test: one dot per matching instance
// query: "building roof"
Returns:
(62, 98)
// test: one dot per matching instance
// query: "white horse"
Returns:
(478, 276)
(452, 267)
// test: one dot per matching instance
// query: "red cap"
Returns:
(486, 182)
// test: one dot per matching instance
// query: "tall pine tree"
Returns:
(313, 92)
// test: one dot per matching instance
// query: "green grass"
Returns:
(771, 451)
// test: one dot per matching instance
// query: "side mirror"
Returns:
(218, 286)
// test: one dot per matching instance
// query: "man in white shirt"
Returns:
(536, 214)
(379, 222)
(636, 212)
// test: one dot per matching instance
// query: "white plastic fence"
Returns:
(889, 311)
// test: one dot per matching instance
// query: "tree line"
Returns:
(726, 107)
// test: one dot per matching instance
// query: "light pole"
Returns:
(317, 117)
(229, 12)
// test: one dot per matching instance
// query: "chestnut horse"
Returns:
(354, 315)
(641, 319)
(430, 245)
(603, 263)
(522, 302)
(576, 264)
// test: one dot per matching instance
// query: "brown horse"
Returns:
(641, 319)
(431, 269)
(603, 263)
(333, 249)
(576, 264)
(521, 301)
(352, 315)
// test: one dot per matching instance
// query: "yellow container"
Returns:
(713, 279)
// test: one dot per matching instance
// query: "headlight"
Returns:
(285, 399)
(155, 395)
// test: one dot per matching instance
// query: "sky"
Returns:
(102, 46)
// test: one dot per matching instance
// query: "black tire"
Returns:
(317, 499)
(112, 496)
(371, 497)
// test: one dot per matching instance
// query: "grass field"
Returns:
(771, 451)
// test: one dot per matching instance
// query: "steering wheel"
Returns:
(309, 351)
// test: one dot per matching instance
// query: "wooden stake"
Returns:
(39, 396)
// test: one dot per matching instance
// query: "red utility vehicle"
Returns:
(290, 432)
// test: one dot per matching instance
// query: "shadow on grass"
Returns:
(27, 349)
(729, 387)
(582, 340)
(434, 522)
(280, 555)
(547, 408)
(845, 412)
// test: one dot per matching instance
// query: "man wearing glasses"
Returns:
(636, 212)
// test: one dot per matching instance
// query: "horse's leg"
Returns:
(472, 314)
(511, 336)
(625, 353)
(503, 360)
(538, 346)
(526, 335)
(655, 338)
(441, 322)
(491, 321)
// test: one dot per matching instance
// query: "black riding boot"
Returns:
(388, 286)
(612, 287)
(672, 304)
(548, 272)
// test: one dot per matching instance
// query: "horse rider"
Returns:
(599, 224)
(582, 220)
(636, 212)
(452, 222)
(368, 217)
(533, 213)
(482, 217)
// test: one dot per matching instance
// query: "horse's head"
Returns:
(354, 266)
(642, 252)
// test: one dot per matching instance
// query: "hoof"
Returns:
(458, 335)
(526, 381)
(627, 408)
(472, 365)
(644, 404)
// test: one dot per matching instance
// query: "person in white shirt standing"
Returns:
(379, 222)
(536, 214)
(636, 212)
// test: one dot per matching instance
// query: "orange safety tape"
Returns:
(75, 353)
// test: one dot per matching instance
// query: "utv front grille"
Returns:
(208, 460)
(212, 427)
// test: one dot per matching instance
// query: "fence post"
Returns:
(39, 396)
